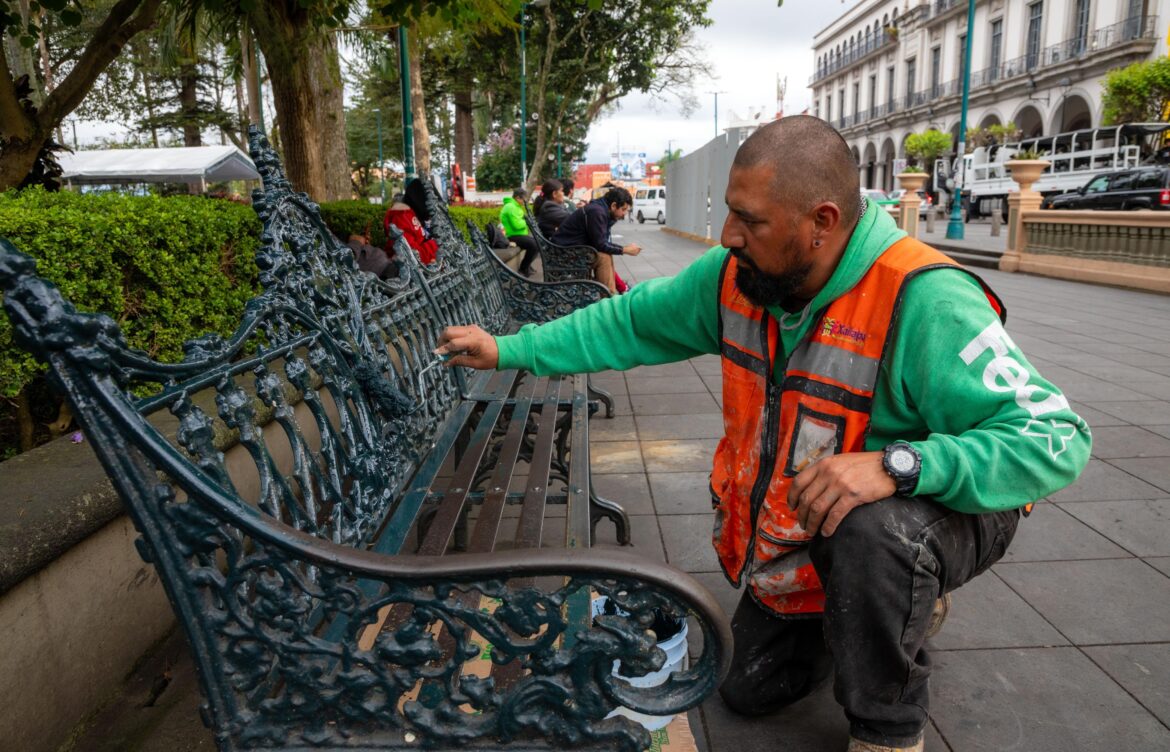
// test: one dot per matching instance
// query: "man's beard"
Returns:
(765, 289)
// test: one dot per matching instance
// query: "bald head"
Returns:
(811, 164)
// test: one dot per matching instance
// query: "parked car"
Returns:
(894, 200)
(650, 203)
(881, 198)
(1138, 188)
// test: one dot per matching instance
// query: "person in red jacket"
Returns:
(408, 214)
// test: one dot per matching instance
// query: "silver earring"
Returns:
(816, 244)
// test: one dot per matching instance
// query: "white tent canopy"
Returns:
(184, 164)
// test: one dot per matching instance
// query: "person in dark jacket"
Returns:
(591, 224)
(551, 211)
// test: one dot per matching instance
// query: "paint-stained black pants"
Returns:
(531, 250)
(882, 571)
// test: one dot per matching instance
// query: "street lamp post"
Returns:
(381, 163)
(955, 225)
(524, 86)
(716, 93)
(407, 115)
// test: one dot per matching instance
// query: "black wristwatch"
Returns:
(903, 463)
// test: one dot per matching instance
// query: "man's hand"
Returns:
(468, 346)
(823, 494)
(633, 249)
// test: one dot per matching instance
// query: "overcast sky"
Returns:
(749, 43)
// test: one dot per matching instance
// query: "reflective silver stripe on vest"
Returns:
(741, 331)
(858, 372)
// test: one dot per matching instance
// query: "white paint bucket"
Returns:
(675, 648)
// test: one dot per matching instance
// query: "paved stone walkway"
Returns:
(1065, 644)
(1062, 646)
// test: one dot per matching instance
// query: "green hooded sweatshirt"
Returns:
(512, 218)
(993, 433)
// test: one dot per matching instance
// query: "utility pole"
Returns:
(407, 115)
(955, 225)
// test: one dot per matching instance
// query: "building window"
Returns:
(828, 108)
(935, 71)
(1132, 29)
(1035, 24)
(841, 104)
(996, 47)
(890, 88)
(873, 95)
(857, 99)
(911, 75)
(1081, 26)
(962, 56)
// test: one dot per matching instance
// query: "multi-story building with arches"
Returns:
(888, 68)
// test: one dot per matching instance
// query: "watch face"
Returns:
(902, 461)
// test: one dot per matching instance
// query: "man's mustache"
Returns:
(742, 257)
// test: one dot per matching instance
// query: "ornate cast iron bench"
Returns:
(323, 461)
(562, 262)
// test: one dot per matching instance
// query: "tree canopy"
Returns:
(1138, 93)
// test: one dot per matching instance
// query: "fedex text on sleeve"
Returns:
(1006, 374)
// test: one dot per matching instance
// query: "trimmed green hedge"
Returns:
(345, 217)
(166, 269)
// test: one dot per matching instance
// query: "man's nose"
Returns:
(730, 236)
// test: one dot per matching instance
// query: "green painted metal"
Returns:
(407, 114)
(955, 225)
(335, 367)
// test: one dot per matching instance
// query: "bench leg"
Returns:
(600, 507)
(604, 396)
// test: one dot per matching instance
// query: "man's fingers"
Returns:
(837, 514)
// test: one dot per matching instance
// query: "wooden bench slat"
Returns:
(491, 510)
(531, 523)
(454, 499)
(390, 540)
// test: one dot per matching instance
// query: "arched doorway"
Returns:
(869, 165)
(886, 178)
(1073, 114)
(989, 120)
(1029, 121)
(856, 161)
(955, 138)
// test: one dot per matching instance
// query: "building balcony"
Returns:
(1141, 31)
(940, 10)
(884, 40)
(1136, 29)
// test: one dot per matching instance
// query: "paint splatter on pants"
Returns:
(882, 571)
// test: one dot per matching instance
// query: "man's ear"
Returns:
(827, 216)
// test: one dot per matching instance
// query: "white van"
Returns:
(650, 203)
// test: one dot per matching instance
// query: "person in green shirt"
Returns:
(962, 430)
(516, 228)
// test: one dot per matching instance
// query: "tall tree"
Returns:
(25, 130)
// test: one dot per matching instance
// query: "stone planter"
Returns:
(912, 181)
(1026, 172)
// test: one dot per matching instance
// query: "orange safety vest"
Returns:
(771, 432)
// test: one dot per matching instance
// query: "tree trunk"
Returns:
(189, 104)
(251, 77)
(307, 88)
(543, 130)
(422, 132)
(24, 420)
(464, 131)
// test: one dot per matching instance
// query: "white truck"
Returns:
(1075, 157)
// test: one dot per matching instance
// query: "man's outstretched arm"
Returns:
(660, 321)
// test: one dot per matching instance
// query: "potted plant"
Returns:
(1026, 167)
(912, 179)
